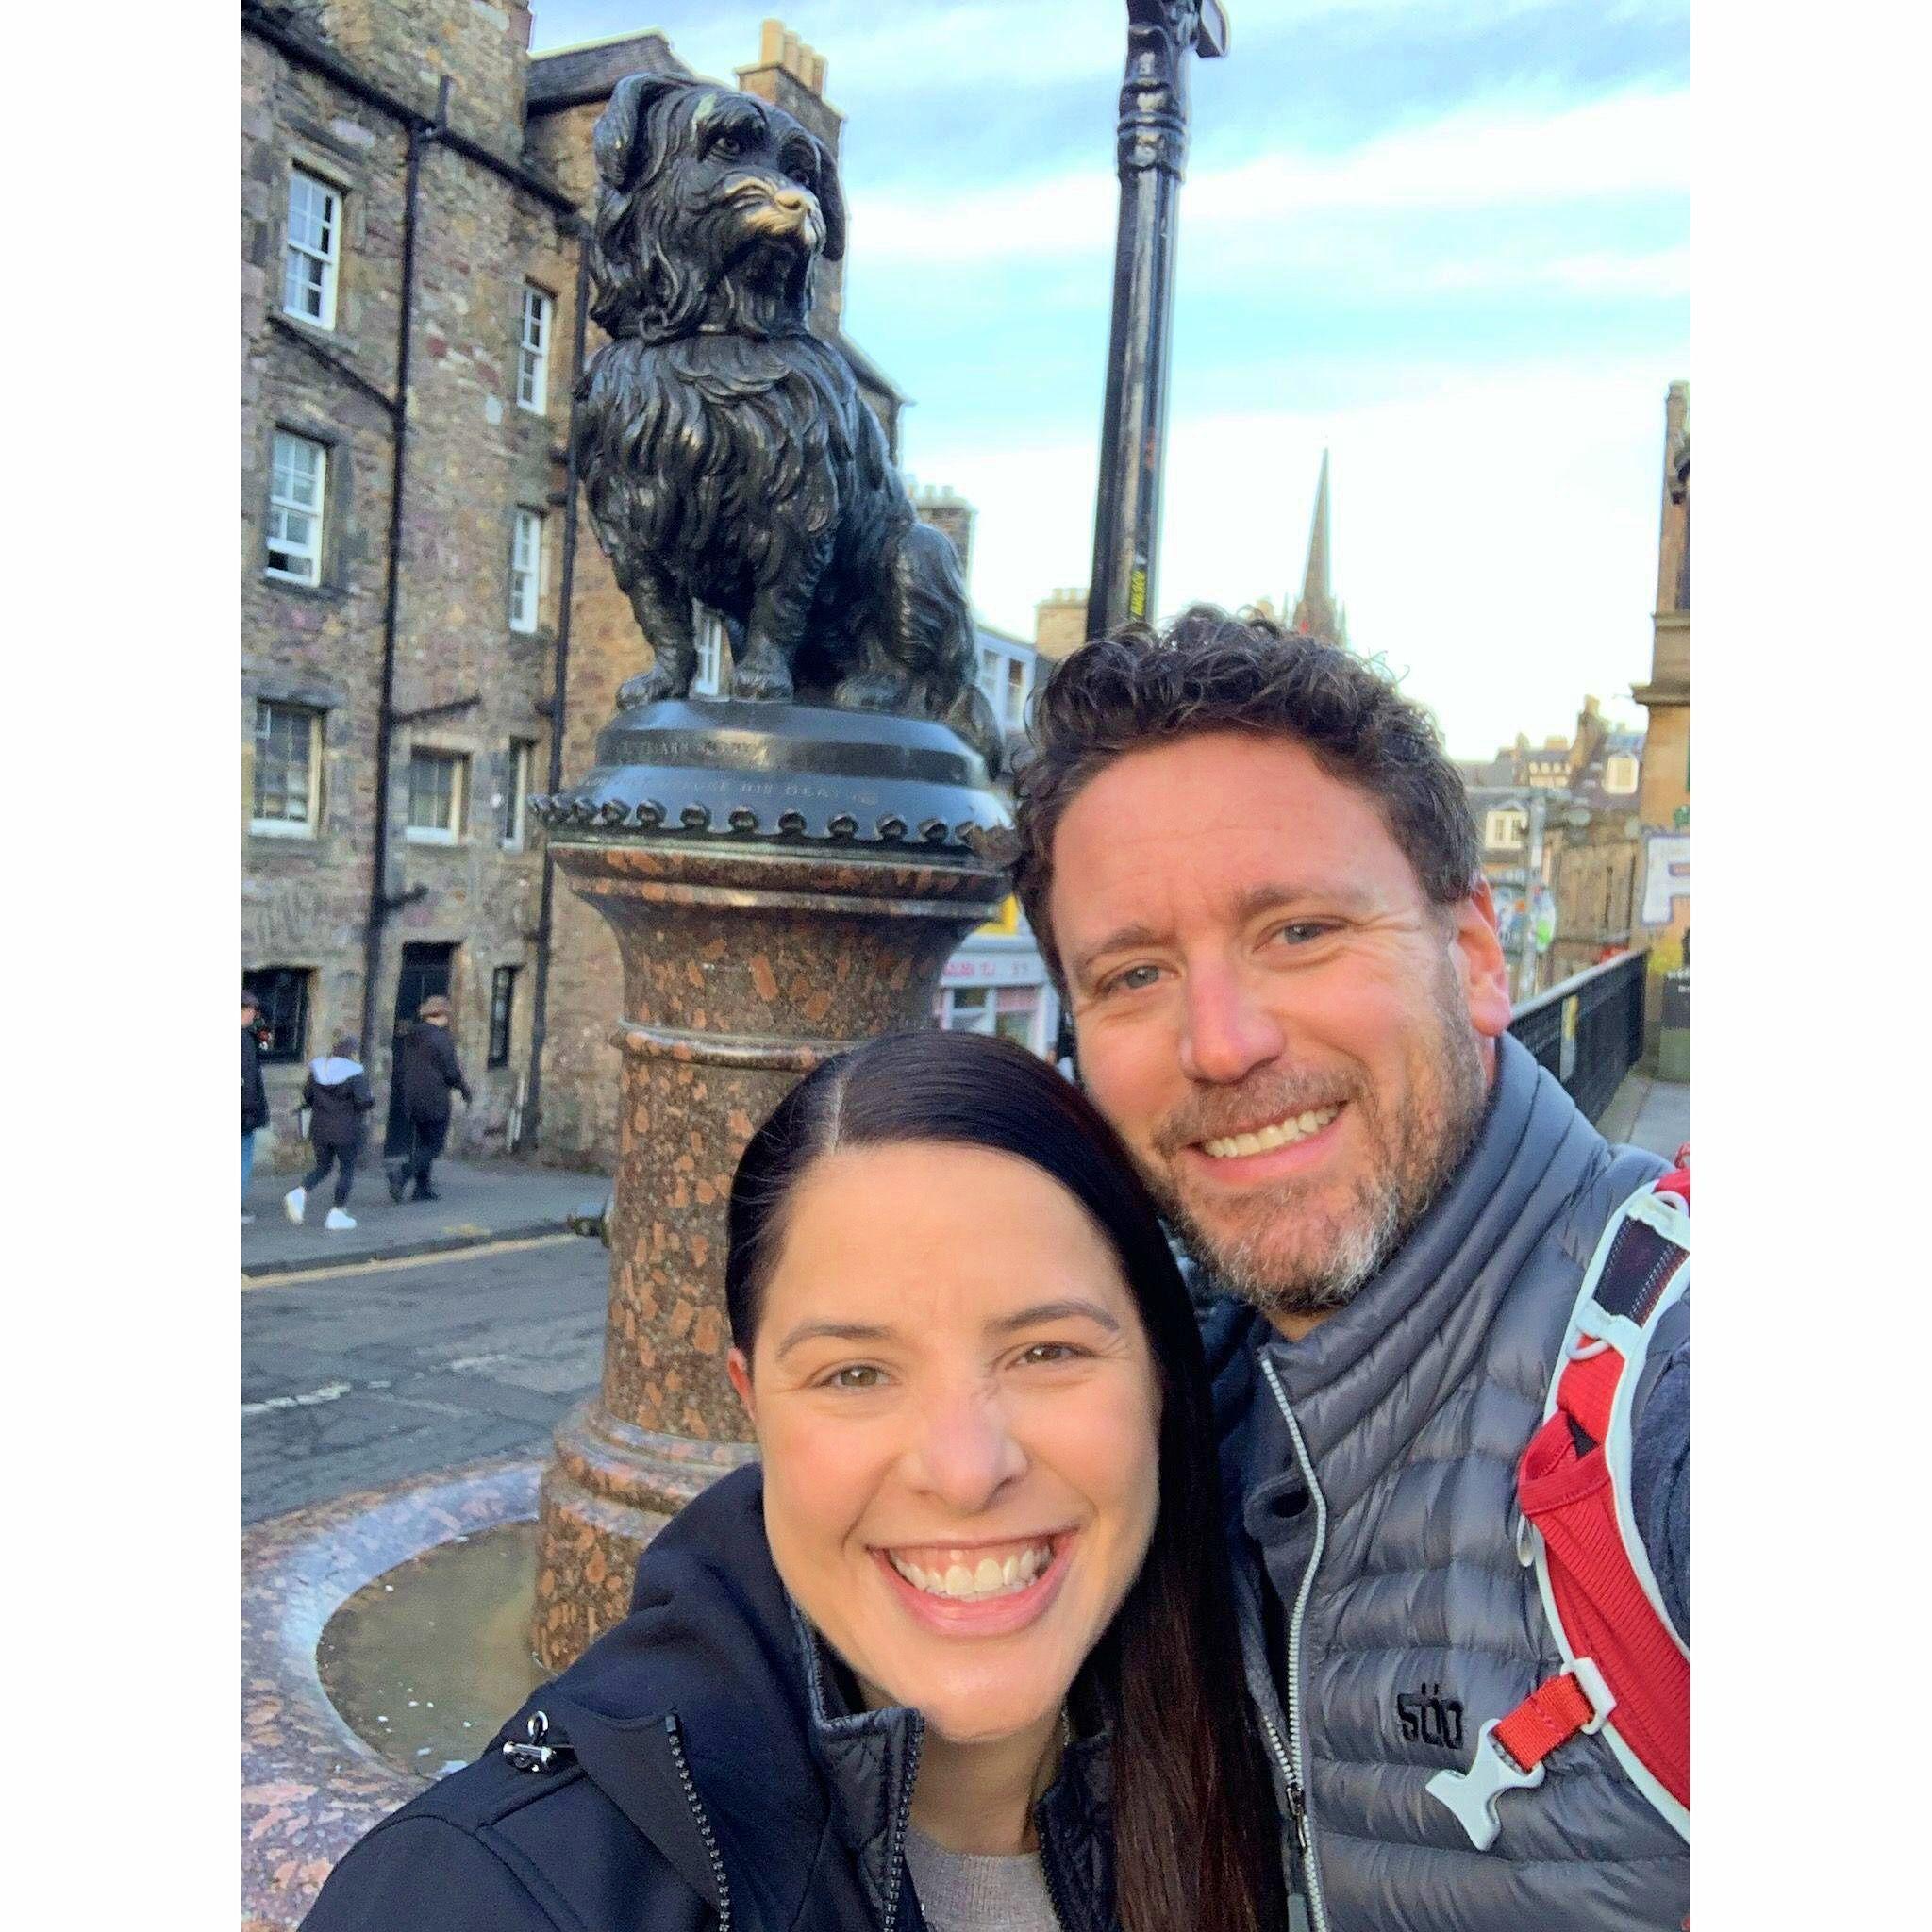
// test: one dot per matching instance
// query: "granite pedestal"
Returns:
(778, 894)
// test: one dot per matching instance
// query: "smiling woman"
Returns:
(988, 1476)
(959, 1655)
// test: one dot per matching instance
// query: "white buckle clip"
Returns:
(1472, 1794)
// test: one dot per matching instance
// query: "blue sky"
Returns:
(1446, 238)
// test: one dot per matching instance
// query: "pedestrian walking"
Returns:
(253, 1094)
(427, 1067)
(337, 1095)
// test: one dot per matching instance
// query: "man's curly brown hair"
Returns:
(1210, 672)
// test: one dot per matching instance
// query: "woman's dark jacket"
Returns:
(428, 1070)
(707, 1775)
(337, 1091)
(254, 1093)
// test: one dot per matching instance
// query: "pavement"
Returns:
(480, 1201)
(361, 1376)
(1648, 1112)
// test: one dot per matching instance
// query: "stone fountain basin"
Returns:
(385, 1637)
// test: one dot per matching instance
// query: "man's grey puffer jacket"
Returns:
(1401, 1617)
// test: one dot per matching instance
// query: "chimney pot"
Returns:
(770, 43)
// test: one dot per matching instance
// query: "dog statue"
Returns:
(727, 456)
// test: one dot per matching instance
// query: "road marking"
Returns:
(377, 1264)
(328, 1393)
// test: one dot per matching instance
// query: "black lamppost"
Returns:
(1153, 154)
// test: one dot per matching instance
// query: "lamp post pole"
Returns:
(1153, 151)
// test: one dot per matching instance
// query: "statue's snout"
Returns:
(771, 208)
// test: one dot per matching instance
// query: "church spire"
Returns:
(1317, 614)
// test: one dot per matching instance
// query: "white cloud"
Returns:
(1626, 145)
(1017, 45)
(1495, 536)
(1663, 273)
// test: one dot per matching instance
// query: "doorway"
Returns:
(427, 969)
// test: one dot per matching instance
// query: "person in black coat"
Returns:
(254, 1093)
(428, 1070)
(337, 1095)
(955, 1320)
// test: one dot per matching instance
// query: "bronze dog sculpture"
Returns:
(727, 456)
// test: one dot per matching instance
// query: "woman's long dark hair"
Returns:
(1195, 1836)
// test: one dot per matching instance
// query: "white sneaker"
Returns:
(293, 1203)
(337, 1222)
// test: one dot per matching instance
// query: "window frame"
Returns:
(1005, 680)
(1018, 690)
(515, 828)
(285, 827)
(1518, 826)
(533, 357)
(1622, 761)
(302, 979)
(318, 510)
(712, 644)
(451, 833)
(524, 519)
(979, 1002)
(330, 255)
(503, 996)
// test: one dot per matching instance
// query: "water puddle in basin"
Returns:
(426, 1662)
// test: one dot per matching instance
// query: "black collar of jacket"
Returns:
(715, 1650)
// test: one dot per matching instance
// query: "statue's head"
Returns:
(712, 207)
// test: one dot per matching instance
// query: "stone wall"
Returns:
(408, 47)
(474, 457)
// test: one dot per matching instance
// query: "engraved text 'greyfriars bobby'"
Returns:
(727, 456)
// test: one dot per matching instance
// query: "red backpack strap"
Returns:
(1627, 1673)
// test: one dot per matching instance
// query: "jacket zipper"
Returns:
(900, 1821)
(1053, 1891)
(1292, 1786)
(1300, 1812)
(704, 1823)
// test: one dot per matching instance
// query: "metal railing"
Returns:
(1588, 1030)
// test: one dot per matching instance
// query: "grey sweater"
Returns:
(965, 1892)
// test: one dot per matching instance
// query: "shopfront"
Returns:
(997, 983)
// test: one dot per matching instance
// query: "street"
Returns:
(365, 1373)
(379, 1371)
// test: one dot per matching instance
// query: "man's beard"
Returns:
(1415, 1145)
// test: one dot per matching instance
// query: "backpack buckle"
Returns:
(1472, 1794)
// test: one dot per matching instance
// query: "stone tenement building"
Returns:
(1592, 851)
(430, 633)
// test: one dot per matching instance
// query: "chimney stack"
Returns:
(1059, 623)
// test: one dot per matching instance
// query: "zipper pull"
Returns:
(1298, 1815)
(536, 1754)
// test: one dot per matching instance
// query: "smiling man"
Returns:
(1254, 872)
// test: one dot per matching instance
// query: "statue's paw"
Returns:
(763, 681)
(870, 691)
(648, 686)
